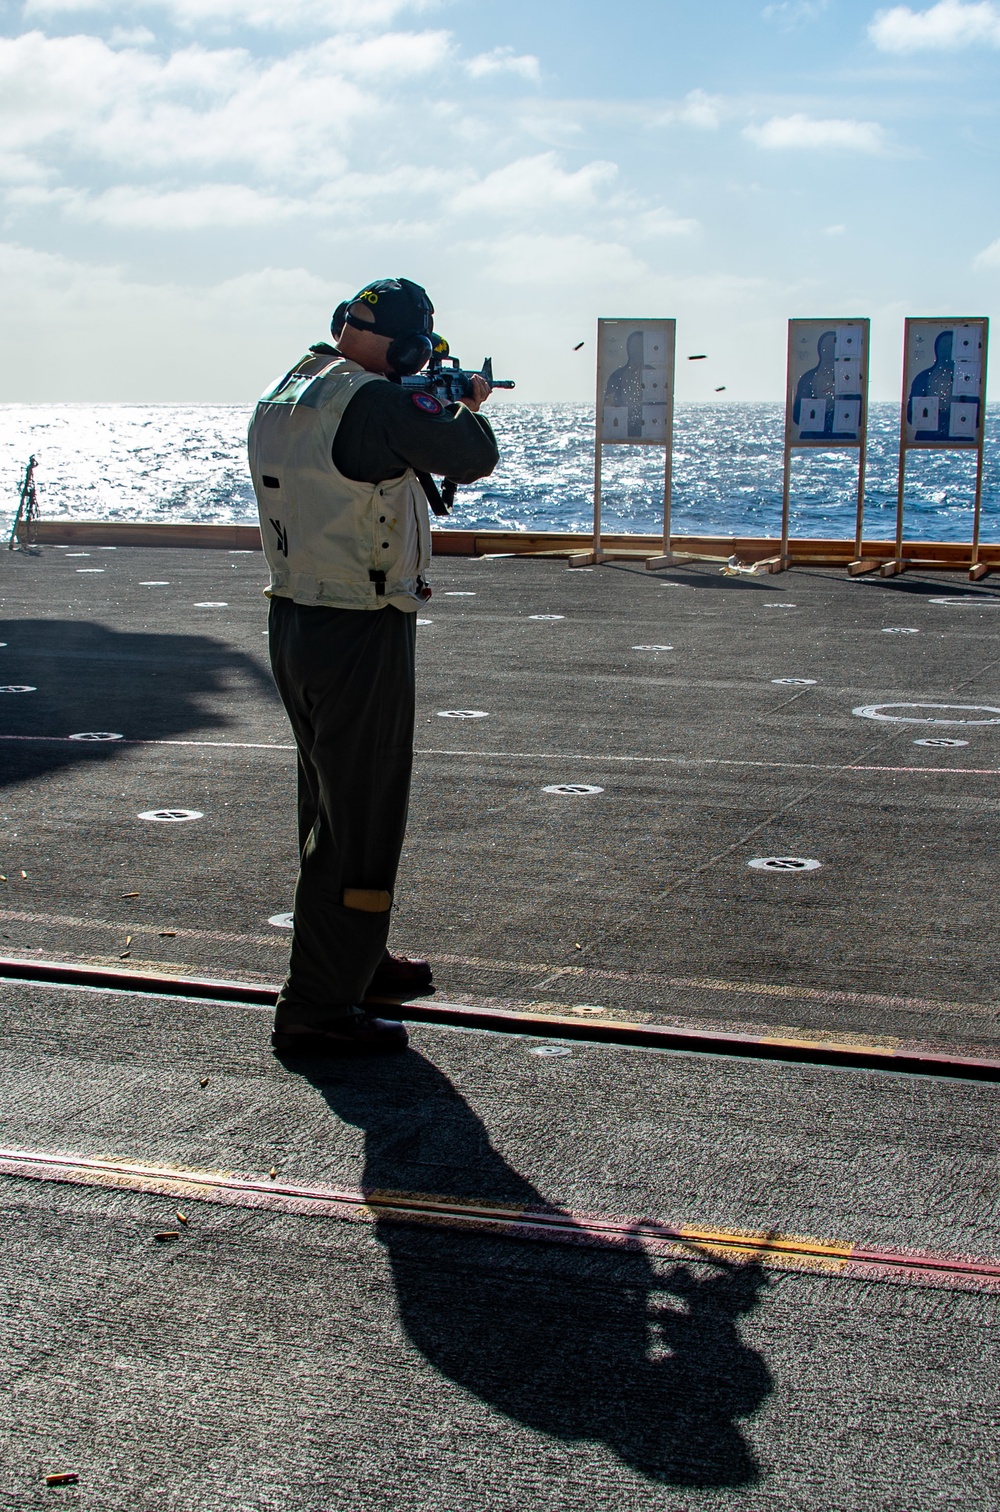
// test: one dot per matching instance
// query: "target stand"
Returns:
(943, 408)
(826, 407)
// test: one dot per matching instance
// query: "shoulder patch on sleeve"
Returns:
(428, 404)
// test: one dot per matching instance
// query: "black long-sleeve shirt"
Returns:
(383, 432)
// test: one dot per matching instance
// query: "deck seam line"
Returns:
(774, 1249)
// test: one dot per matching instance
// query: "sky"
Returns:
(188, 187)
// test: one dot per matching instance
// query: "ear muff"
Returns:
(408, 353)
(339, 316)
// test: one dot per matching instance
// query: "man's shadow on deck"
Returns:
(578, 1343)
(90, 679)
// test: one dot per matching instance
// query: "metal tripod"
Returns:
(27, 514)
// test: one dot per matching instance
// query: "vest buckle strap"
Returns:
(378, 578)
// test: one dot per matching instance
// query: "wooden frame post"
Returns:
(978, 569)
(666, 557)
(595, 554)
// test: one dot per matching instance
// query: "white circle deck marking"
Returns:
(784, 864)
(940, 740)
(900, 630)
(90, 569)
(874, 711)
(419, 622)
(795, 682)
(652, 648)
(212, 604)
(3, 643)
(970, 601)
(573, 789)
(171, 815)
(18, 688)
(779, 604)
(462, 714)
(281, 921)
(546, 616)
(460, 593)
(589, 1008)
(76, 554)
(161, 585)
(548, 1050)
(97, 735)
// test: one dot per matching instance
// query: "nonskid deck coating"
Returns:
(278, 1360)
(630, 899)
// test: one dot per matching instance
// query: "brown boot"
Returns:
(399, 978)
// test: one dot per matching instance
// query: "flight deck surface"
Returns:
(277, 1354)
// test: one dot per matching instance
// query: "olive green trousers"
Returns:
(346, 679)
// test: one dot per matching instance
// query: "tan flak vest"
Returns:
(327, 539)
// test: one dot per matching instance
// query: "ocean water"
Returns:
(172, 462)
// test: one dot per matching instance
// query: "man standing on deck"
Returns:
(335, 451)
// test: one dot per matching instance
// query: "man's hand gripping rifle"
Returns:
(445, 380)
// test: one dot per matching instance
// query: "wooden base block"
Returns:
(654, 563)
(584, 558)
(978, 571)
(862, 565)
(774, 564)
(893, 568)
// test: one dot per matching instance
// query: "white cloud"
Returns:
(696, 109)
(21, 168)
(789, 13)
(573, 260)
(944, 27)
(655, 224)
(391, 57)
(801, 131)
(503, 60)
(324, 15)
(77, 97)
(96, 314)
(131, 36)
(989, 257)
(837, 230)
(202, 205)
(533, 184)
(162, 208)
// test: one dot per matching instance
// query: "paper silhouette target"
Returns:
(827, 382)
(635, 381)
(943, 382)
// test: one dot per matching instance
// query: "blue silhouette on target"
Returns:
(819, 383)
(933, 390)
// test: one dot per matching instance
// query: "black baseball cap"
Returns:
(398, 305)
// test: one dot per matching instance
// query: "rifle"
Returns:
(445, 378)
(448, 384)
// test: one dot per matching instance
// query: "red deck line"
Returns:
(694, 1241)
(780, 1048)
